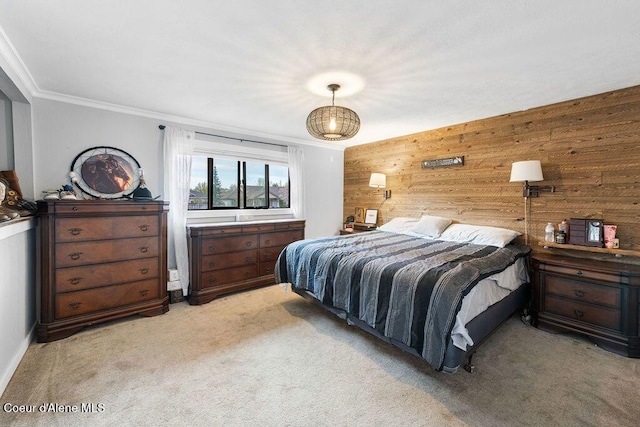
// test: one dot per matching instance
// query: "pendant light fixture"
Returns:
(333, 123)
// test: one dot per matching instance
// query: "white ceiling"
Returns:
(246, 65)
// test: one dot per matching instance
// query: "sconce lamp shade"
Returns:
(528, 170)
(378, 180)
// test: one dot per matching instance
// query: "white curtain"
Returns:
(178, 148)
(296, 175)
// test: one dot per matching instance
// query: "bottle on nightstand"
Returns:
(549, 233)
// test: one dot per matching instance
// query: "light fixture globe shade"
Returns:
(333, 123)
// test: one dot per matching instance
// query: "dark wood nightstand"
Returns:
(598, 299)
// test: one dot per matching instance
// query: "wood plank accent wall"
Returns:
(589, 149)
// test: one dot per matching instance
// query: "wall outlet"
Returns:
(173, 275)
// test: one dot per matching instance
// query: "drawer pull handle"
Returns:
(579, 293)
(144, 208)
(578, 313)
(144, 249)
(250, 259)
(144, 227)
(267, 242)
(212, 279)
(75, 280)
(75, 231)
(144, 292)
(75, 208)
(579, 273)
(267, 270)
(143, 270)
(267, 256)
(248, 244)
(212, 248)
(212, 264)
(75, 256)
(221, 231)
(74, 305)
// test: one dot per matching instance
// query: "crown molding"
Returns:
(14, 68)
(179, 120)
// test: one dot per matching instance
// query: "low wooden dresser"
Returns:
(229, 257)
(599, 299)
(100, 260)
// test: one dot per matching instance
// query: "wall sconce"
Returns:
(528, 171)
(379, 180)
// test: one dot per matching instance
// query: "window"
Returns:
(223, 183)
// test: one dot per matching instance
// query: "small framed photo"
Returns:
(359, 215)
(371, 216)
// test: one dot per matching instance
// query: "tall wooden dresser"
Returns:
(230, 257)
(100, 260)
(599, 299)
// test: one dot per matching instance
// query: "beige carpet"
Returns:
(270, 358)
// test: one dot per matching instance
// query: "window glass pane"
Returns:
(279, 186)
(255, 180)
(225, 183)
(198, 187)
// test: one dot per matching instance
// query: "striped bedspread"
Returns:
(409, 289)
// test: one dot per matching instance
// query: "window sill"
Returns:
(238, 215)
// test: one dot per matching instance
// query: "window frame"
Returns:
(212, 147)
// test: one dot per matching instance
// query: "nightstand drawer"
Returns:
(601, 295)
(583, 273)
(595, 315)
(233, 259)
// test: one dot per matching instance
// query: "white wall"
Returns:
(62, 131)
(6, 133)
(17, 294)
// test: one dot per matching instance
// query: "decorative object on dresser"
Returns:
(100, 260)
(229, 257)
(599, 299)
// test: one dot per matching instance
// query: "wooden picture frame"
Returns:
(359, 215)
(371, 216)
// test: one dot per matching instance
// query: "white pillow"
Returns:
(398, 225)
(479, 235)
(431, 226)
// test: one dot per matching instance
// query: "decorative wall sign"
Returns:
(105, 172)
(441, 163)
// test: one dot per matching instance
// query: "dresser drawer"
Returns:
(92, 300)
(576, 310)
(601, 295)
(270, 254)
(98, 252)
(229, 244)
(581, 273)
(279, 239)
(228, 275)
(299, 225)
(233, 259)
(93, 276)
(82, 207)
(266, 268)
(101, 228)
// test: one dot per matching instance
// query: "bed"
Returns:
(435, 292)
